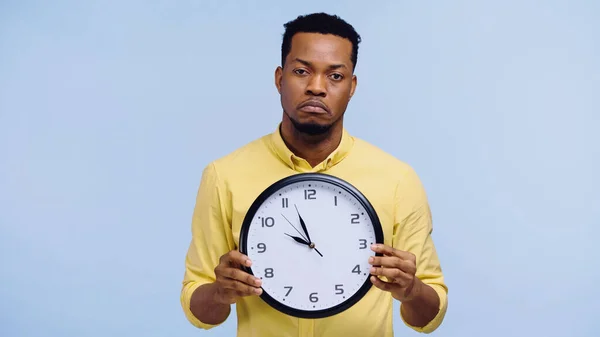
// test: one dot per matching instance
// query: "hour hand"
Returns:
(302, 241)
(297, 239)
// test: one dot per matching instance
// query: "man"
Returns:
(316, 81)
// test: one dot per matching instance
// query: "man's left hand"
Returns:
(399, 267)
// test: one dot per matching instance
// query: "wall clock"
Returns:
(308, 236)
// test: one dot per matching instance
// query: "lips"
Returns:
(313, 106)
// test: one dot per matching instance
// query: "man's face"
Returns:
(316, 82)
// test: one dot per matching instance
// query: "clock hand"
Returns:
(311, 244)
(302, 241)
(297, 239)
(303, 225)
(305, 239)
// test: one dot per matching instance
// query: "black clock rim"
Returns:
(327, 178)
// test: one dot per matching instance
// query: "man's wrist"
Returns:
(411, 294)
(416, 292)
(422, 306)
(215, 296)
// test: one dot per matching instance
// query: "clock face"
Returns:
(309, 237)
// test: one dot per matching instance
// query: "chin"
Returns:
(311, 128)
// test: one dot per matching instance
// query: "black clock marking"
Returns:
(310, 194)
(268, 221)
(289, 290)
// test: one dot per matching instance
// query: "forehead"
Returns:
(323, 48)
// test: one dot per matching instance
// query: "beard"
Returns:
(311, 129)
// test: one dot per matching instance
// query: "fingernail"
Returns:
(258, 282)
(258, 291)
(373, 269)
(371, 259)
(248, 263)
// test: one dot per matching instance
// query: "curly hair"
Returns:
(319, 23)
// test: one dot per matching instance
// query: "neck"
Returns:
(314, 149)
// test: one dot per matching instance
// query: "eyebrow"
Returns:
(308, 64)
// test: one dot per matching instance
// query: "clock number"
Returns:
(310, 194)
(313, 297)
(269, 272)
(338, 289)
(261, 247)
(356, 269)
(289, 288)
(335, 200)
(363, 243)
(269, 222)
(355, 218)
(284, 203)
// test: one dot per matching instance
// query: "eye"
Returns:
(337, 77)
(300, 72)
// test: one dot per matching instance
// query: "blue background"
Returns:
(109, 110)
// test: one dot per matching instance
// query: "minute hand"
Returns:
(303, 225)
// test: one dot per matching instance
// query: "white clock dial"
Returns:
(323, 271)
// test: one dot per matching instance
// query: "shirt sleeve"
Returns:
(211, 238)
(412, 232)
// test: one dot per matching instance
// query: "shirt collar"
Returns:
(299, 164)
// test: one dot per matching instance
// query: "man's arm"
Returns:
(425, 310)
(211, 239)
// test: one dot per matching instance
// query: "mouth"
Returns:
(314, 106)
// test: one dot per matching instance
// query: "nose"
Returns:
(316, 86)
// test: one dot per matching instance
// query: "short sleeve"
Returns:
(211, 238)
(412, 232)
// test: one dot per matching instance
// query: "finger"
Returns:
(385, 261)
(236, 279)
(394, 275)
(240, 293)
(393, 262)
(241, 276)
(236, 258)
(241, 289)
(391, 251)
(385, 286)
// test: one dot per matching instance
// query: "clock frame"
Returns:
(322, 178)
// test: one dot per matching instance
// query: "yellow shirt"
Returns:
(230, 184)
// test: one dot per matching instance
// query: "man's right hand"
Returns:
(232, 282)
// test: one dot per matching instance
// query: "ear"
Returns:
(353, 87)
(278, 78)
